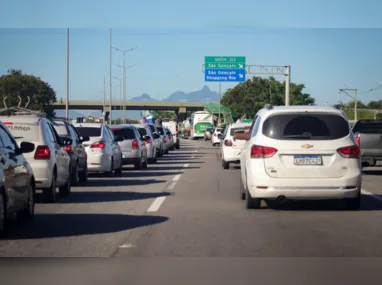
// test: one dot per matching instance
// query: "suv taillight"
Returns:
(358, 139)
(42, 152)
(68, 148)
(98, 145)
(228, 143)
(164, 139)
(134, 144)
(258, 151)
(148, 141)
(349, 151)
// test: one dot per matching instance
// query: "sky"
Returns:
(329, 44)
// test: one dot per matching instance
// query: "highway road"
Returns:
(188, 206)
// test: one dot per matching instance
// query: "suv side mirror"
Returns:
(85, 139)
(26, 147)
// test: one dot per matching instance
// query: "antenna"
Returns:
(5, 102)
(20, 100)
(29, 100)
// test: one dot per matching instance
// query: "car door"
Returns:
(115, 148)
(62, 158)
(16, 173)
(78, 148)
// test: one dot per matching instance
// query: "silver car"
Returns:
(164, 138)
(133, 145)
(157, 138)
(151, 143)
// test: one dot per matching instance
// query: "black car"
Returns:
(74, 148)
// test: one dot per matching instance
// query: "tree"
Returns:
(246, 98)
(15, 84)
(164, 115)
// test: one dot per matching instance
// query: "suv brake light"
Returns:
(42, 152)
(98, 145)
(148, 141)
(228, 143)
(164, 139)
(7, 123)
(358, 139)
(258, 151)
(134, 144)
(68, 148)
(349, 151)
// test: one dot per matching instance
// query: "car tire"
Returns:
(251, 203)
(352, 203)
(110, 173)
(75, 175)
(3, 214)
(64, 190)
(242, 190)
(177, 146)
(138, 165)
(83, 175)
(225, 164)
(119, 170)
(27, 214)
(50, 194)
(144, 164)
(166, 151)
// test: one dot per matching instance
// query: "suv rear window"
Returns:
(89, 131)
(243, 129)
(126, 133)
(142, 131)
(306, 126)
(374, 127)
(24, 131)
(152, 128)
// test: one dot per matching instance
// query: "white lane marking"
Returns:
(171, 185)
(192, 156)
(176, 178)
(196, 150)
(372, 195)
(126, 245)
(186, 165)
(156, 204)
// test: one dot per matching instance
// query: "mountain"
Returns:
(202, 95)
(143, 98)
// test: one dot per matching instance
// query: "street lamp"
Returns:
(120, 93)
(124, 95)
(124, 76)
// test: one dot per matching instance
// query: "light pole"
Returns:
(120, 94)
(67, 75)
(111, 76)
(124, 78)
(124, 95)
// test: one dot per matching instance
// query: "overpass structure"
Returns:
(180, 108)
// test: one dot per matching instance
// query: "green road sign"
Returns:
(224, 65)
(225, 59)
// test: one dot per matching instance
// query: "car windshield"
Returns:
(89, 131)
(160, 131)
(306, 126)
(142, 131)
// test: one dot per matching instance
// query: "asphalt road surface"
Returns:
(186, 205)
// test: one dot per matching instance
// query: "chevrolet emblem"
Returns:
(307, 146)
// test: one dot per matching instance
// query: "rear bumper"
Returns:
(348, 186)
(98, 163)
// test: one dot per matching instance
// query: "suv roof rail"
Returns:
(268, 106)
(21, 111)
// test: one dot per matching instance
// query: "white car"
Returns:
(301, 152)
(151, 143)
(103, 150)
(50, 162)
(215, 136)
(230, 148)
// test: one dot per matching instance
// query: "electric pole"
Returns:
(353, 97)
(67, 75)
(111, 79)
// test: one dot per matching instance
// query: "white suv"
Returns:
(50, 162)
(301, 152)
(230, 147)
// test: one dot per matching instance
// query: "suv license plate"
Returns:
(307, 160)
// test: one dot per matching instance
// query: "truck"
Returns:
(199, 122)
(368, 135)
